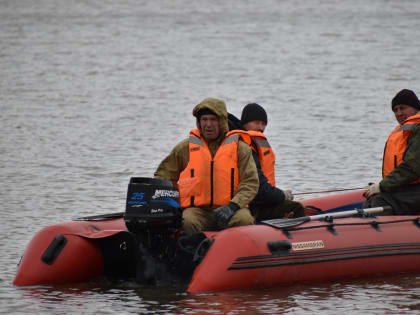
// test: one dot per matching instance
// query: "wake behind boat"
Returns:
(325, 247)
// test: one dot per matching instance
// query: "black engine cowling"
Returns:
(152, 204)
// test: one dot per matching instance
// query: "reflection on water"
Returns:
(393, 295)
(94, 92)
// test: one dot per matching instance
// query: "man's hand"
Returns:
(371, 190)
(288, 194)
(289, 215)
(223, 214)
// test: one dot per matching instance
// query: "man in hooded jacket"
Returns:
(400, 185)
(215, 173)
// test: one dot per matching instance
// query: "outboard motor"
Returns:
(153, 215)
(152, 204)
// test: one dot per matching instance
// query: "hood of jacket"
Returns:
(219, 108)
(234, 123)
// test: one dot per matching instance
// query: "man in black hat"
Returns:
(400, 184)
(270, 201)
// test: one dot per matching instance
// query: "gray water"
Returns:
(94, 92)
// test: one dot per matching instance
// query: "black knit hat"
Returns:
(406, 97)
(205, 111)
(253, 112)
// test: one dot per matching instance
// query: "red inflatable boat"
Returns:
(270, 254)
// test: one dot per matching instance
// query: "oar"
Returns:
(326, 191)
(101, 217)
(284, 223)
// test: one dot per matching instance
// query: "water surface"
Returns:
(94, 92)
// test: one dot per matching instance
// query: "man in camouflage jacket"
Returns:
(400, 186)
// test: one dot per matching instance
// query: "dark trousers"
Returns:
(279, 211)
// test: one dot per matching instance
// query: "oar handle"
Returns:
(347, 213)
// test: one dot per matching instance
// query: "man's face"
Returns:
(255, 125)
(402, 112)
(209, 125)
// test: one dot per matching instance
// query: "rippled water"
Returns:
(94, 92)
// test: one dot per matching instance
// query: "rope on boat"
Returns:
(330, 226)
(326, 191)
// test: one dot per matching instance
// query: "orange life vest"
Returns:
(209, 181)
(258, 142)
(397, 144)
